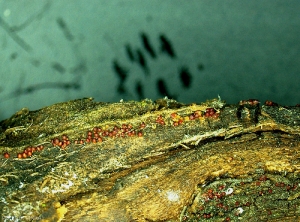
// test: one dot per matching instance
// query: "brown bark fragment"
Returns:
(173, 162)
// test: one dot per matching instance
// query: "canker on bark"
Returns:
(242, 164)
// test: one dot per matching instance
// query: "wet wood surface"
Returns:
(151, 161)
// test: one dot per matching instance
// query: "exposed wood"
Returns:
(155, 161)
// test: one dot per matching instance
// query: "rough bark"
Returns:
(157, 161)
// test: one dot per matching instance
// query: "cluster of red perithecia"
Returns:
(208, 113)
(211, 112)
(63, 143)
(220, 200)
(98, 134)
(28, 152)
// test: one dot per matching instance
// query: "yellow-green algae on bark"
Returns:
(240, 164)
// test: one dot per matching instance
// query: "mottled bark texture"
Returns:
(151, 161)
